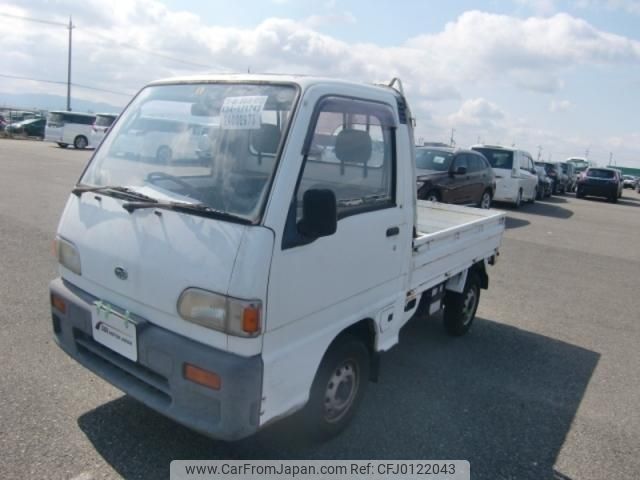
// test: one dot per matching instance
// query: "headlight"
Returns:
(219, 312)
(68, 255)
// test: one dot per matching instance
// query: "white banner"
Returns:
(320, 469)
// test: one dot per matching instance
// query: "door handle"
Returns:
(392, 231)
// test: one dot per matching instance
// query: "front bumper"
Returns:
(156, 379)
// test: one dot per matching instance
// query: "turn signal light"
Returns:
(251, 320)
(202, 377)
(58, 303)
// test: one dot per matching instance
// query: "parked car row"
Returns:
(81, 130)
(485, 173)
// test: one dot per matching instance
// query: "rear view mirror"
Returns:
(460, 171)
(319, 213)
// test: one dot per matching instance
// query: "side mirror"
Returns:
(319, 213)
(460, 171)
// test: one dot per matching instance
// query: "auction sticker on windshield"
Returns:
(115, 331)
(242, 113)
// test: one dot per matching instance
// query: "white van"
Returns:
(69, 128)
(515, 171)
(100, 127)
(230, 293)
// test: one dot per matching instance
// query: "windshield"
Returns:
(213, 143)
(497, 158)
(428, 159)
(104, 120)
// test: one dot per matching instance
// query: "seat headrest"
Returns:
(266, 139)
(353, 146)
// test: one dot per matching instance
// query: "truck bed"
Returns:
(450, 239)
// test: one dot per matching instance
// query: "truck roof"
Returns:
(304, 81)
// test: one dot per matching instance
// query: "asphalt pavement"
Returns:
(546, 385)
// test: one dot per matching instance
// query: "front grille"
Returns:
(121, 369)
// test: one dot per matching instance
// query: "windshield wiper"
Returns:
(114, 191)
(197, 208)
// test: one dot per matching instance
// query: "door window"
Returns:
(461, 161)
(350, 150)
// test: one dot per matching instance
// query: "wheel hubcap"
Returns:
(432, 198)
(470, 300)
(486, 200)
(341, 391)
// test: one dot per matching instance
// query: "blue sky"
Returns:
(560, 75)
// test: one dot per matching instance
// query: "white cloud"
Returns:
(477, 112)
(559, 105)
(476, 51)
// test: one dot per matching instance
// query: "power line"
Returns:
(58, 82)
(36, 20)
(148, 52)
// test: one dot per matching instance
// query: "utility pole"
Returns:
(611, 158)
(452, 142)
(70, 27)
(539, 152)
(586, 154)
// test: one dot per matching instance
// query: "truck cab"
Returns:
(268, 278)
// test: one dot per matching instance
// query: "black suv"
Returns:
(454, 176)
(599, 182)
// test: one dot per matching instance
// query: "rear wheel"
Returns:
(432, 196)
(80, 142)
(614, 198)
(485, 200)
(460, 308)
(338, 388)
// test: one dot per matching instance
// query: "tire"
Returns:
(539, 194)
(80, 142)
(460, 308)
(614, 198)
(485, 200)
(579, 193)
(163, 154)
(346, 362)
(432, 196)
(534, 196)
(63, 145)
(518, 202)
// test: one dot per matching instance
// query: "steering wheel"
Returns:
(192, 191)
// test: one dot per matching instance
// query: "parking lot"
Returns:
(547, 385)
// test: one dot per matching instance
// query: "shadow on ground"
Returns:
(512, 222)
(546, 208)
(501, 397)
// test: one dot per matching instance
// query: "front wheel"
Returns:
(80, 142)
(460, 308)
(63, 145)
(485, 200)
(338, 388)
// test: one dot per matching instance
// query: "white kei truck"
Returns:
(268, 279)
